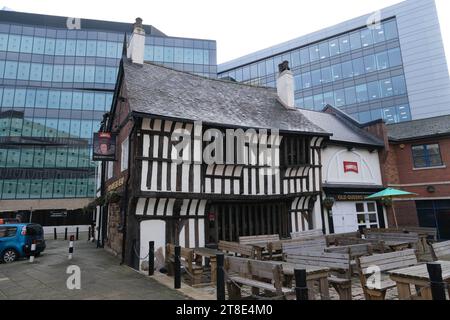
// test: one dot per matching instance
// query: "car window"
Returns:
(34, 230)
(7, 232)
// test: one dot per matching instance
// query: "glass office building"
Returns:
(370, 72)
(55, 85)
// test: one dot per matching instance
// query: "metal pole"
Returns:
(436, 283)
(151, 258)
(77, 234)
(71, 247)
(177, 278)
(220, 278)
(301, 290)
(55, 236)
(65, 234)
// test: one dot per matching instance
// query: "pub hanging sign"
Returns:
(104, 146)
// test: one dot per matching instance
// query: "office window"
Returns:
(47, 72)
(370, 63)
(269, 67)
(314, 53)
(399, 85)
(53, 99)
(386, 88)
(124, 155)
(81, 48)
(358, 67)
(308, 102)
(188, 55)
(35, 188)
(426, 155)
(66, 100)
(304, 56)
(19, 97)
(14, 43)
(318, 102)
(306, 80)
(57, 73)
(316, 77)
(339, 97)
(38, 45)
(75, 128)
(101, 49)
(347, 70)
(168, 55)
(326, 75)
(382, 61)
(99, 74)
(404, 113)
(395, 58)
(88, 101)
(71, 47)
(3, 41)
(30, 98)
(355, 40)
(328, 98)
(8, 97)
(36, 72)
(344, 43)
(295, 56)
(390, 30)
(366, 37)
(389, 115)
(323, 50)
(262, 69)
(78, 74)
(68, 73)
(77, 100)
(253, 71)
(26, 45)
(41, 98)
(336, 71)
(2, 68)
(10, 70)
(373, 89)
(23, 71)
(334, 47)
(361, 93)
(298, 82)
(60, 47)
(89, 74)
(111, 49)
(50, 46)
(91, 48)
(378, 33)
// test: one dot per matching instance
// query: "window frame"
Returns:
(426, 156)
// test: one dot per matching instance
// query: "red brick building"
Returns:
(417, 159)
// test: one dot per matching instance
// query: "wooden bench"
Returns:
(259, 275)
(377, 245)
(425, 235)
(355, 250)
(431, 233)
(339, 264)
(194, 271)
(408, 240)
(260, 239)
(333, 238)
(441, 250)
(306, 234)
(294, 245)
(385, 262)
(238, 249)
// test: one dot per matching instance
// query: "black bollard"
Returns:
(436, 283)
(89, 234)
(77, 233)
(151, 257)
(65, 234)
(301, 290)
(220, 278)
(177, 278)
(55, 236)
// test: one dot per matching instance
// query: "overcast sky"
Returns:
(239, 26)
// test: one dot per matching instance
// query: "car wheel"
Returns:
(9, 255)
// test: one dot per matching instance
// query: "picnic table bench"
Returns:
(260, 243)
(332, 239)
(187, 258)
(441, 250)
(306, 234)
(382, 263)
(259, 275)
(419, 277)
(394, 240)
(285, 246)
(242, 250)
(338, 263)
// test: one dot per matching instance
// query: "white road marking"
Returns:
(4, 279)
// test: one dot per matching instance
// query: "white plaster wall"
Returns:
(152, 230)
(333, 158)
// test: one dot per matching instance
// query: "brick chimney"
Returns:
(285, 85)
(136, 45)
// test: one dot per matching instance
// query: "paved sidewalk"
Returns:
(102, 277)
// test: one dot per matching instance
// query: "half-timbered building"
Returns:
(201, 160)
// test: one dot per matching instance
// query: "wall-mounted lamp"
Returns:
(431, 189)
(402, 146)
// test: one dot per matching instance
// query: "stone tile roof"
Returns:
(419, 128)
(160, 91)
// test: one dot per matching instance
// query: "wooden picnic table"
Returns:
(418, 276)
(211, 255)
(397, 245)
(313, 274)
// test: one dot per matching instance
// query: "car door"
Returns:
(8, 235)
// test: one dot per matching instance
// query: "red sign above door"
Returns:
(350, 166)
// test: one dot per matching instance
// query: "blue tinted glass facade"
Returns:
(55, 86)
(360, 72)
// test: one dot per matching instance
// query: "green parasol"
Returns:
(390, 193)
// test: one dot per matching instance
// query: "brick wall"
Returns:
(115, 237)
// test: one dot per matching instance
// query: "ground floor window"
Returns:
(435, 214)
(366, 215)
(229, 221)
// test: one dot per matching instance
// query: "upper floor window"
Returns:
(124, 156)
(426, 155)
